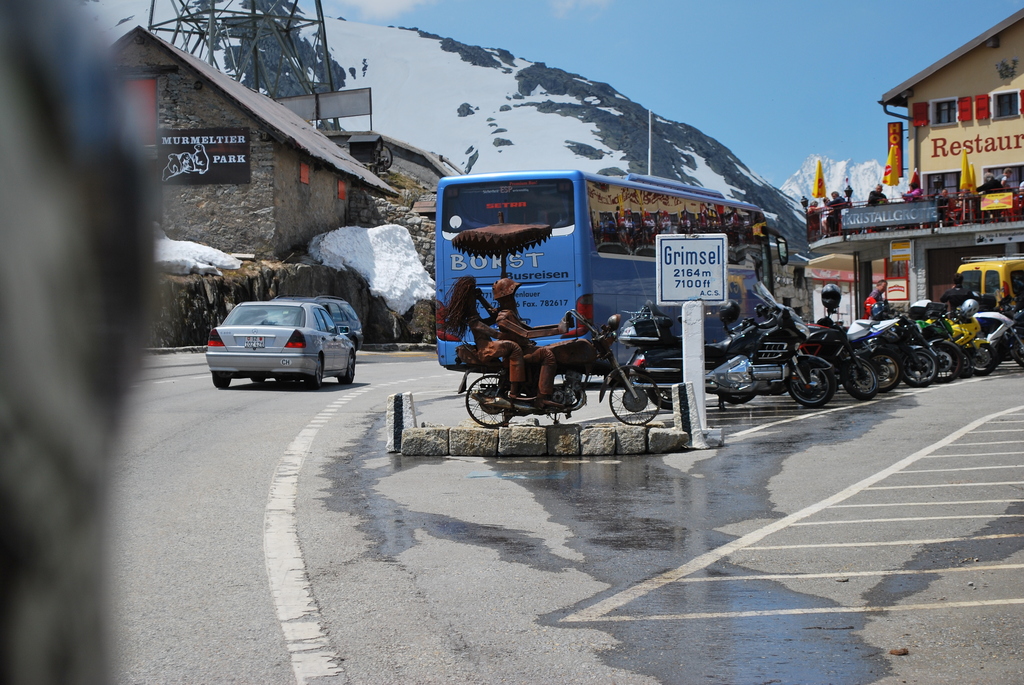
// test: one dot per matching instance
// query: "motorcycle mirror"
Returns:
(613, 321)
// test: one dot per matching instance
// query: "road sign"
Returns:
(691, 268)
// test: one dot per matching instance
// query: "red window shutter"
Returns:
(981, 107)
(141, 95)
(303, 173)
(341, 190)
(920, 114)
(965, 107)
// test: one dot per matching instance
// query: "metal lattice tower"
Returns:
(257, 42)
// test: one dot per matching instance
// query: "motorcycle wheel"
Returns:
(921, 369)
(985, 360)
(818, 392)
(951, 361)
(639, 410)
(736, 399)
(488, 417)
(889, 370)
(1017, 352)
(861, 380)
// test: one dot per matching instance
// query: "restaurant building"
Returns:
(964, 107)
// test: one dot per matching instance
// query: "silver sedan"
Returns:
(279, 340)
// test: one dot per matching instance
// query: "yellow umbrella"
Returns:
(819, 182)
(966, 182)
(974, 184)
(891, 177)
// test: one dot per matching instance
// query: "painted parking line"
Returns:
(909, 518)
(941, 503)
(600, 610)
(935, 606)
(978, 454)
(965, 468)
(886, 543)
(946, 485)
(975, 568)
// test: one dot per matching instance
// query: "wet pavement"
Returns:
(793, 607)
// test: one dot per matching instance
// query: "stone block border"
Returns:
(563, 440)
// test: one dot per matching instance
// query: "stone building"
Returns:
(237, 170)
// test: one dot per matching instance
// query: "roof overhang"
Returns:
(898, 96)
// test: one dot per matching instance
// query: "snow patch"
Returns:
(182, 257)
(386, 258)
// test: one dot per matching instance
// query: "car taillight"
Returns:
(585, 306)
(297, 340)
(214, 340)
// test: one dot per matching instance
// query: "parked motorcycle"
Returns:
(953, 363)
(828, 340)
(895, 342)
(966, 332)
(755, 359)
(999, 329)
(633, 396)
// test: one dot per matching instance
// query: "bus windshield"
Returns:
(540, 201)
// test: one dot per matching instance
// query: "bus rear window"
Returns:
(473, 205)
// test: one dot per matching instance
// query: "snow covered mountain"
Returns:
(862, 177)
(487, 110)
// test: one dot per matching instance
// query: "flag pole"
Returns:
(650, 139)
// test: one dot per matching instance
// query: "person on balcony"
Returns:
(835, 208)
(914, 194)
(991, 184)
(877, 197)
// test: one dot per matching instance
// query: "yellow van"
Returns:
(997, 276)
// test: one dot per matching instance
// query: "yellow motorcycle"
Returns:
(965, 331)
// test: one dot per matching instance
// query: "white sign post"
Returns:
(691, 270)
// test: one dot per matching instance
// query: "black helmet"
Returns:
(729, 312)
(878, 311)
(830, 296)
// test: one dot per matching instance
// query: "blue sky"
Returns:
(773, 80)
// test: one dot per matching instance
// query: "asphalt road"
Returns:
(262, 534)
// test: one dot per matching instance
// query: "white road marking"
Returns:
(885, 543)
(600, 610)
(976, 568)
(966, 468)
(819, 610)
(930, 504)
(946, 485)
(910, 518)
(979, 454)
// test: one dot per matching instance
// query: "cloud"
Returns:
(563, 7)
(374, 9)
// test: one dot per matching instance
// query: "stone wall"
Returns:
(187, 307)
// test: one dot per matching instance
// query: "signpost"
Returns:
(691, 270)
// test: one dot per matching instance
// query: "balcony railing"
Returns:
(952, 210)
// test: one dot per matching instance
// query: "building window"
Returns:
(935, 183)
(141, 96)
(303, 173)
(1006, 104)
(945, 112)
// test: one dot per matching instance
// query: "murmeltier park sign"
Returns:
(923, 212)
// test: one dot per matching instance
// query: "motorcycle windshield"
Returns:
(761, 291)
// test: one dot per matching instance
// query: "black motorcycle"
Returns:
(828, 340)
(757, 358)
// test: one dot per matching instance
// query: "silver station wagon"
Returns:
(281, 340)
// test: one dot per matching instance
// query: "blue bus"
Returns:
(600, 258)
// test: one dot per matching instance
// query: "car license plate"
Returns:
(255, 341)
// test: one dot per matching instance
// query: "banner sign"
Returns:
(895, 131)
(924, 212)
(204, 156)
(691, 267)
(993, 201)
(899, 251)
